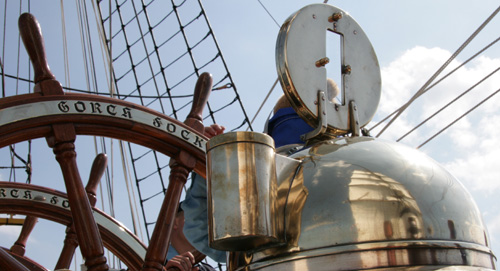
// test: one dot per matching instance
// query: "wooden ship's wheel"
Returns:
(60, 117)
(41, 202)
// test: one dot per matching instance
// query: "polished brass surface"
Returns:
(229, 138)
(363, 203)
(242, 191)
(425, 258)
(302, 42)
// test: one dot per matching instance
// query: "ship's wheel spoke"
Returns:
(60, 117)
(9, 262)
(52, 205)
(61, 140)
(68, 250)
(86, 229)
(18, 250)
(70, 240)
(19, 246)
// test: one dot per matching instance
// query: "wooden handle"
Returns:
(8, 262)
(201, 92)
(19, 246)
(96, 172)
(31, 33)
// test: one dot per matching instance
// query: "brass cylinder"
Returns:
(242, 187)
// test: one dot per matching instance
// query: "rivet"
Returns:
(346, 69)
(39, 198)
(335, 17)
(322, 62)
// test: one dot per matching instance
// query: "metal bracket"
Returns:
(302, 64)
(322, 119)
(353, 119)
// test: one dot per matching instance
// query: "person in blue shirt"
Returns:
(285, 127)
(181, 254)
(195, 209)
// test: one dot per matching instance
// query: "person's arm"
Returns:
(213, 130)
(184, 262)
(195, 209)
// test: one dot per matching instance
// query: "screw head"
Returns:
(335, 17)
(346, 69)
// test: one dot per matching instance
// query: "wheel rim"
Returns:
(53, 205)
(60, 117)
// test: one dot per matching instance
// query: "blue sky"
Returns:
(412, 39)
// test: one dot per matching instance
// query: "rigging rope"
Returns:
(3, 48)
(263, 102)
(228, 74)
(151, 69)
(448, 104)
(269, 13)
(14, 156)
(459, 118)
(19, 53)
(3, 77)
(96, 151)
(142, 34)
(93, 71)
(106, 57)
(83, 46)
(422, 90)
(65, 46)
(108, 178)
(131, 195)
(441, 79)
(123, 155)
(277, 79)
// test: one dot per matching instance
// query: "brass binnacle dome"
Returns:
(365, 203)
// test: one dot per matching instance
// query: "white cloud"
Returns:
(403, 77)
(493, 225)
(9, 234)
(470, 148)
(480, 168)
(463, 135)
(473, 139)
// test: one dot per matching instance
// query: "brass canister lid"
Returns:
(238, 137)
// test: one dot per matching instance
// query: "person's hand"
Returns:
(213, 130)
(183, 262)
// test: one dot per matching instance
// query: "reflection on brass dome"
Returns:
(348, 203)
(372, 204)
(370, 192)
